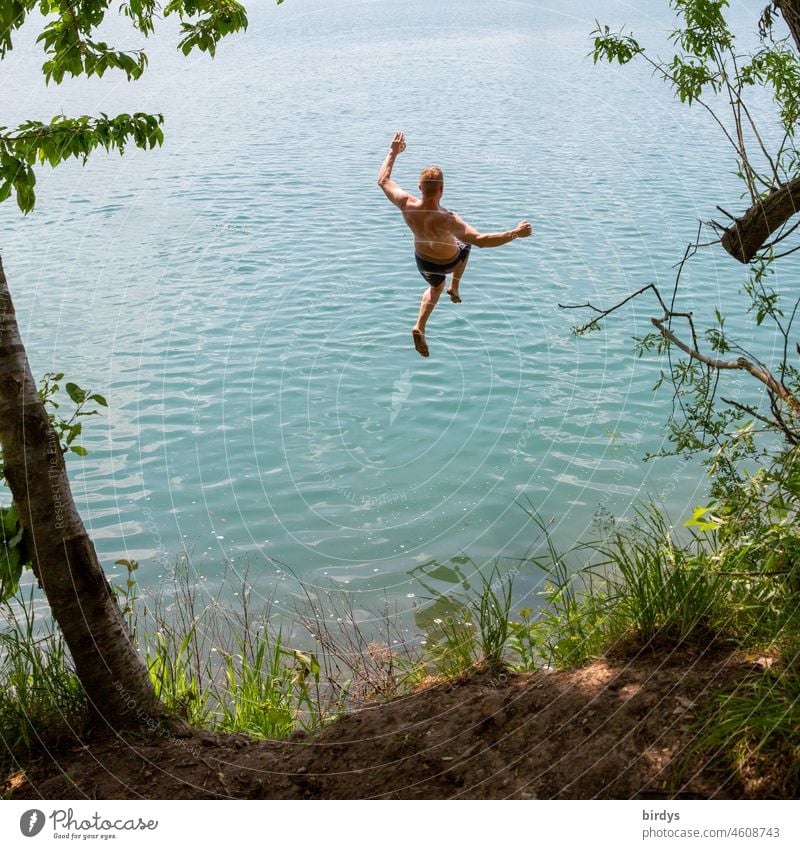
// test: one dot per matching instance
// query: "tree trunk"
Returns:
(790, 9)
(64, 559)
(745, 237)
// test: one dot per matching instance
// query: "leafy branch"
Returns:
(71, 49)
(34, 143)
(707, 67)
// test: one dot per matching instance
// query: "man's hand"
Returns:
(392, 191)
(398, 143)
(522, 230)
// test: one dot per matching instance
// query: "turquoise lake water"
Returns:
(244, 295)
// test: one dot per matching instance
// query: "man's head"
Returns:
(431, 182)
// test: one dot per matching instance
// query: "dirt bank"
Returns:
(616, 728)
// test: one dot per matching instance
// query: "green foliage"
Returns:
(736, 579)
(778, 68)
(12, 17)
(708, 68)
(614, 46)
(69, 429)
(474, 631)
(13, 553)
(706, 61)
(491, 608)
(750, 730)
(127, 594)
(34, 142)
(570, 627)
(12, 557)
(175, 683)
(661, 590)
(452, 647)
(67, 38)
(269, 692)
(524, 640)
(753, 530)
(41, 699)
(265, 689)
(219, 667)
(215, 20)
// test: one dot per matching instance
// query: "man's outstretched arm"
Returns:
(392, 191)
(465, 232)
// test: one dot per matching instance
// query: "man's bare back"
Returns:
(442, 240)
(432, 229)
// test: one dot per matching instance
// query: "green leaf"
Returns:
(76, 394)
(11, 559)
(79, 450)
(697, 520)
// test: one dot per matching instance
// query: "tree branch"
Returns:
(739, 364)
(604, 313)
(747, 235)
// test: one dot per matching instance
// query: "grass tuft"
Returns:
(41, 699)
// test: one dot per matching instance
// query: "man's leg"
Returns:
(429, 299)
(458, 271)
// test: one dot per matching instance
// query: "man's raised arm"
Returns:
(465, 232)
(392, 191)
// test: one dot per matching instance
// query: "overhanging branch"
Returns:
(748, 233)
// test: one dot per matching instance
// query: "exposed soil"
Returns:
(618, 728)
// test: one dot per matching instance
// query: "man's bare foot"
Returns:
(454, 296)
(419, 342)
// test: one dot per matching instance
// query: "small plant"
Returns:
(473, 631)
(175, 682)
(572, 626)
(453, 648)
(750, 733)
(14, 557)
(68, 429)
(127, 594)
(492, 610)
(12, 552)
(269, 694)
(222, 666)
(41, 699)
(525, 641)
(661, 589)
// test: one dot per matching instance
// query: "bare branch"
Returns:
(739, 364)
(604, 313)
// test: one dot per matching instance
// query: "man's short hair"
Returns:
(430, 181)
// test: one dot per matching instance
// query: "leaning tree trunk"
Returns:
(748, 233)
(790, 9)
(63, 556)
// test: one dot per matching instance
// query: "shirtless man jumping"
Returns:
(442, 241)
